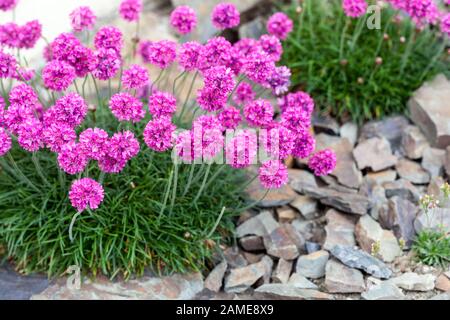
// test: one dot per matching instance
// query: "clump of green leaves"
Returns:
(433, 248)
(138, 226)
(353, 71)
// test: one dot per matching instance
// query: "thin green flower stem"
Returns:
(52, 94)
(310, 18)
(38, 167)
(202, 187)
(175, 186)
(217, 223)
(186, 100)
(300, 24)
(215, 175)
(109, 88)
(6, 167)
(261, 93)
(166, 194)
(245, 185)
(76, 86)
(408, 49)
(119, 87)
(3, 88)
(157, 80)
(358, 30)
(83, 87)
(97, 91)
(174, 88)
(252, 204)
(241, 78)
(191, 176)
(62, 178)
(24, 177)
(344, 32)
(434, 60)
(74, 219)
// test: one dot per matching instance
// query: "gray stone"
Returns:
(442, 296)
(447, 162)
(14, 286)
(268, 266)
(375, 154)
(333, 184)
(433, 161)
(399, 217)
(349, 130)
(412, 171)
(307, 206)
(260, 225)
(297, 238)
(174, 287)
(443, 283)
(253, 29)
(390, 128)
(301, 282)
(214, 280)
(414, 282)
(279, 244)
(347, 202)
(429, 108)
(307, 228)
(342, 279)
(278, 291)
(383, 291)
(376, 195)
(252, 243)
(355, 258)
(402, 188)
(234, 258)
(382, 176)
(437, 219)
(312, 247)
(325, 124)
(434, 188)
(275, 198)
(240, 279)
(414, 142)
(340, 230)
(368, 232)
(282, 271)
(286, 214)
(299, 180)
(312, 265)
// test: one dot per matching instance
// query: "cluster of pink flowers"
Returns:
(15, 36)
(232, 75)
(6, 5)
(354, 8)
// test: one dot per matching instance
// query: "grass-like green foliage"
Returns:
(333, 58)
(433, 248)
(139, 225)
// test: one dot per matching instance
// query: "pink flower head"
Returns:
(158, 134)
(273, 174)
(70, 109)
(109, 38)
(72, 158)
(30, 136)
(135, 77)
(123, 146)
(230, 118)
(445, 24)
(58, 75)
(258, 67)
(247, 46)
(278, 142)
(125, 107)
(6, 5)
(215, 52)
(244, 94)
(109, 63)
(56, 135)
(189, 55)
(160, 53)
(211, 100)
(5, 142)
(184, 146)
(82, 18)
(354, 8)
(421, 11)
(208, 137)
(162, 104)
(272, 46)
(280, 80)
(398, 4)
(2, 112)
(296, 120)
(242, 149)
(259, 113)
(63, 47)
(304, 144)
(23, 74)
(23, 94)
(280, 25)
(29, 34)
(109, 164)
(10, 35)
(236, 61)
(83, 59)
(86, 194)
(93, 142)
(183, 19)
(323, 162)
(300, 101)
(219, 79)
(16, 115)
(225, 16)
(7, 65)
(130, 10)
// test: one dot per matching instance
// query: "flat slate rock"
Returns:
(383, 291)
(14, 286)
(358, 259)
(391, 128)
(278, 291)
